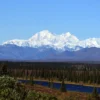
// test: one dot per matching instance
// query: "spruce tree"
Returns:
(4, 69)
(95, 94)
(63, 86)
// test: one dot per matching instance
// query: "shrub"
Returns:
(10, 89)
(32, 95)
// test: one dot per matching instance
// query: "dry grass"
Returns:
(57, 93)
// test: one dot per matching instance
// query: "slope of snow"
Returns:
(65, 41)
(91, 42)
(17, 42)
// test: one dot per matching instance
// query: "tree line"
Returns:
(71, 72)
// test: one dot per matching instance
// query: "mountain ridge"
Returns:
(17, 53)
(64, 41)
(45, 46)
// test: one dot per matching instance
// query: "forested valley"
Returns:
(51, 72)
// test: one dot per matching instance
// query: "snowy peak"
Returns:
(65, 41)
(42, 35)
(68, 37)
(68, 34)
(45, 33)
(46, 38)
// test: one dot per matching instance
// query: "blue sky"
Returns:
(22, 18)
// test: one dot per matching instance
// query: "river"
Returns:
(69, 87)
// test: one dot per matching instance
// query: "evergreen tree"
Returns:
(27, 74)
(95, 94)
(4, 69)
(31, 79)
(63, 86)
(49, 83)
(52, 84)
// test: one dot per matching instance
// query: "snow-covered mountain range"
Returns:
(65, 41)
(48, 46)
